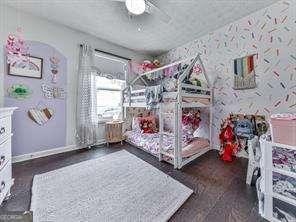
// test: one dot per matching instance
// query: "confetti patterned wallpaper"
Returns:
(271, 35)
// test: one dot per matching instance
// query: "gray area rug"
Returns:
(116, 187)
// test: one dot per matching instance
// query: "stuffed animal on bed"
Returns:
(147, 126)
(156, 63)
(192, 119)
(148, 65)
(194, 76)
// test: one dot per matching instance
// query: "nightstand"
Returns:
(113, 132)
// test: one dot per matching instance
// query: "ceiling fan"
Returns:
(139, 7)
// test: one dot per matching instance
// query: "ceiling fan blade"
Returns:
(153, 9)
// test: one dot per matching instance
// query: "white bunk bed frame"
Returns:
(177, 99)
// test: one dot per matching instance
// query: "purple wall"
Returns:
(29, 136)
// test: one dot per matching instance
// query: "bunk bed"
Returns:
(177, 95)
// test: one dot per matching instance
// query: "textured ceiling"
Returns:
(109, 20)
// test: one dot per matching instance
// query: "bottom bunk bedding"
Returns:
(150, 142)
(194, 147)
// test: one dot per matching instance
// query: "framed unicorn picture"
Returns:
(31, 68)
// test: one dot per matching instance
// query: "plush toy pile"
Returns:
(147, 65)
(228, 141)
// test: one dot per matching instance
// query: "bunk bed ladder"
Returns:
(211, 118)
(176, 135)
(161, 125)
(178, 131)
(178, 159)
(161, 131)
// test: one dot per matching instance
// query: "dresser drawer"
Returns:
(5, 153)
(5, 128)
(6, 181)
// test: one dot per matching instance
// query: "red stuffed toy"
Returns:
(147, 126)
(148, 66)
(227, 139)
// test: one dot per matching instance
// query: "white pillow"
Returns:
(203, 130)
(136, 124)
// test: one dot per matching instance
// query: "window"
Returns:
(109, 98)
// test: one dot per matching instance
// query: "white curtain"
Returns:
(87, 118)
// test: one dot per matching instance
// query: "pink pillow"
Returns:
(148, 124)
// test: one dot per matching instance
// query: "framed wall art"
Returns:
(244, 73)
(32, 68)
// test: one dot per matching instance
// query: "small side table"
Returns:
(113, 130)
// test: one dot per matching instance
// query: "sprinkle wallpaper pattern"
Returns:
(270, 35)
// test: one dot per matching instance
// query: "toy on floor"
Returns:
(244, 128)
(228, 141)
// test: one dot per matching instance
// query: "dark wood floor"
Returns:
(220, 192)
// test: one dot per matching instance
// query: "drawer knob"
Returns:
(2, 130)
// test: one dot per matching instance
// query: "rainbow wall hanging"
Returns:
(244, 73)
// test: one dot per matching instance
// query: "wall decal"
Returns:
(54, 65)
(16, 48)
(275, 63)
(40, 116)
(52, 92)
(53, 133)
(244, 73)
(19, 91)
(32, 68)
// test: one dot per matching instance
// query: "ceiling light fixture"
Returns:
(136, 7)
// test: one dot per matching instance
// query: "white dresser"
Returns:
(277, 184)
(6, 180)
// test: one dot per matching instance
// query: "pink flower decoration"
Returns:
(16, 49)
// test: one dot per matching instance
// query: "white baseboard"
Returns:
(30, 156)
(49, 152)
(100, 142)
